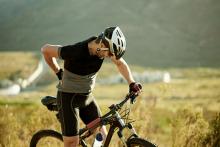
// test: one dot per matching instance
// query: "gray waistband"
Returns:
(74, 83)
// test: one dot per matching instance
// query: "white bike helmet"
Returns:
(116, 41)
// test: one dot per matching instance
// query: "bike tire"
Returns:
(132, 142)
(42, 134)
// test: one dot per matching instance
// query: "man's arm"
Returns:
(123, 69)
(50, 53)
(126, 72)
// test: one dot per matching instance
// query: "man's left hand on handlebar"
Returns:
(136, 88)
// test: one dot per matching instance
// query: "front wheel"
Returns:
(139, 142)
(46, 138)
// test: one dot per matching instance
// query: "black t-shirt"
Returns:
(78, 60)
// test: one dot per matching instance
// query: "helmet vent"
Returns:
(114, 47)
(118, 33)
(118, 42)
(122, 43)
(119, 48)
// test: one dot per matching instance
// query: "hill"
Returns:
(159, 33)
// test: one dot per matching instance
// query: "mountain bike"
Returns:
(117, 121)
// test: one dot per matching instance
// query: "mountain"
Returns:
(160, 33)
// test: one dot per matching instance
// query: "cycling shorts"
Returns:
(71, 107)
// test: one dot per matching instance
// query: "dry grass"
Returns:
(160, 118)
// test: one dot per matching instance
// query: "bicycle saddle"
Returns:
(49, 100)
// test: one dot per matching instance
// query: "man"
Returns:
(82, 61)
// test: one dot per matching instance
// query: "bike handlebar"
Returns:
(130, 96)
(116, 107)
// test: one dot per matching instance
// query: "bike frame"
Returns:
(113, 119)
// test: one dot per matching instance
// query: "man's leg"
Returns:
(69, 119)
(90, 113)
(104, 132)
(71, 141)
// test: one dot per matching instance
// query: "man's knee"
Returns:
(72, 141)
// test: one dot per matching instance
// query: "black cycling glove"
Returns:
(60, 74)
(134, 87)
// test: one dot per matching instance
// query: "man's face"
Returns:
(104, 52)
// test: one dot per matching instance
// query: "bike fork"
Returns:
(131, 128)
(133, 133)
(83, 143)
(120, 135)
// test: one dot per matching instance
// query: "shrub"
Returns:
(188, 128)
(212, 138)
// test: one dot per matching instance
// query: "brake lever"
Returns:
(133, 97)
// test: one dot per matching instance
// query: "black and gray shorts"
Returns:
(71, 106)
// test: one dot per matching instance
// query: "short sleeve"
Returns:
(68, 52)
(59, 49)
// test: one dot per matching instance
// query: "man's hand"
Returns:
(60, 74)
(136, 89)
